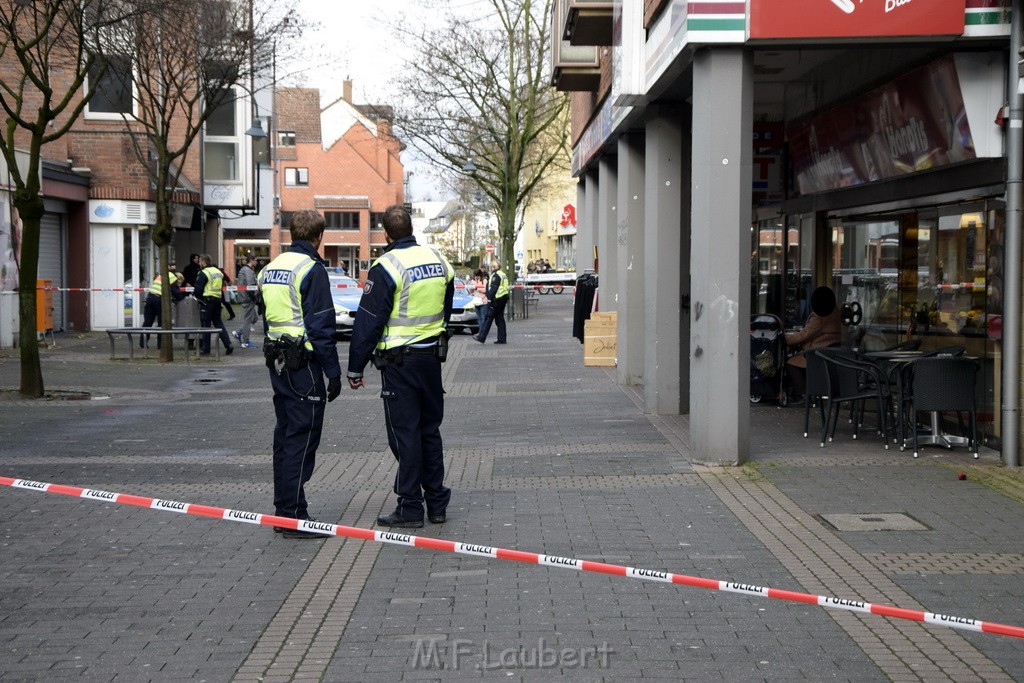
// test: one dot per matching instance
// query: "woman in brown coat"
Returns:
(823, 328)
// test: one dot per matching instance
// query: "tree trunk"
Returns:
(167, 349)
(30, 208)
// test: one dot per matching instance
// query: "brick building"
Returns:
(343, 161)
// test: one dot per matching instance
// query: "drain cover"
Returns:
(874, 521)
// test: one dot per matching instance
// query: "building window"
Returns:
(295, 177)
(376, 220)
(114, 96)
(286, 138)
(286, 219)
(342, 220)
(220, 147)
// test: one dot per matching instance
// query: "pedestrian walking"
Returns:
(209, 290)
(480, 297)
(300, 351)
(402, 327)
(497, 294)
(246, 277)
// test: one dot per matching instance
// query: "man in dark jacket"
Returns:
(300, 350)
(402, 323)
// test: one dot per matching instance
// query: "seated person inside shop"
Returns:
(822, 328)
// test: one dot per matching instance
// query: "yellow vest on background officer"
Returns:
(208, 290)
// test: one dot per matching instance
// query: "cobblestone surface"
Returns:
(544, 455)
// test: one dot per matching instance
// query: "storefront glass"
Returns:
(932, 274)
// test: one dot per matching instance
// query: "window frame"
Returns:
(91, 115)
(296, 172)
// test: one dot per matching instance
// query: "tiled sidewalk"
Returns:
(544, 455)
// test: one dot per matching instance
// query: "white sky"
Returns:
(357, 44)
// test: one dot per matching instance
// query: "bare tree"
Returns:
(47, 50)
(477, 96)
(190, 58)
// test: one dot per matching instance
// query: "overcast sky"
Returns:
(357, 44)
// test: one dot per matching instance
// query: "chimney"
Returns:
(346, 90)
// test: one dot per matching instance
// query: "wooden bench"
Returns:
(187, 332)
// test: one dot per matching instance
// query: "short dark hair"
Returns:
(307, 225)
(397, 222)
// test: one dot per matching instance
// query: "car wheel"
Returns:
(542, 290)
(557, 289)
(755, 398)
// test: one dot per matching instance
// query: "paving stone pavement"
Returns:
(543, 455)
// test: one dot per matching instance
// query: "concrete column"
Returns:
(607, 230)
(630, 259)
(586, 224)
(722, 176)
(666, 260)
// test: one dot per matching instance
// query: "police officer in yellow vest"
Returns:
(300, 350)
(153, 310)
(402, 327)
(209, 290)
(497, 292)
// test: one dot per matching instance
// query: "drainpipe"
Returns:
(1012, 255)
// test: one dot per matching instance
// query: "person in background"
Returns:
(479, 284)
(249, 298)
(300, 350)
(209, 292)
(402, 325)
(192, 270)
(497, 294)
(153, 311)
(225, 295)
(823, 328)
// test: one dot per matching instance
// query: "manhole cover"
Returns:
(873, 521)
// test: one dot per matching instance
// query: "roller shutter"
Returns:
(53, 263)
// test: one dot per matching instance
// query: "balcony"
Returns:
(574, 67)
(588, 22)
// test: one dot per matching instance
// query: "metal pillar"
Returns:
(630, 258)
(666, 261)
(1012, 255)
(720, 275)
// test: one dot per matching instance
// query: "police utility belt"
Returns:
(438, 347)
(287, 352)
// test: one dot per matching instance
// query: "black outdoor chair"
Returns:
(946, 384)
(854, 380)
(817, 389)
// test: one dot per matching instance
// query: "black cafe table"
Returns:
(935, 436)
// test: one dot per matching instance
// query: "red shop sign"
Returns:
(855, 18)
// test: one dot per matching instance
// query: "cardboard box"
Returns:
(609, 317)
(600, 342)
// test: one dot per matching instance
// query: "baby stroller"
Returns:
(767, 358)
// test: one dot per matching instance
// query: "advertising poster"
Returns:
(855, 18)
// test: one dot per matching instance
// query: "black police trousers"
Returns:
(496, 314)
(299, 400)
(413, 411)
(209, 316)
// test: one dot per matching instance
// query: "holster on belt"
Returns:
(288, 351)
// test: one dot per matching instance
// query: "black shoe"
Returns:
(295, 533)
(204, 353)
(497, 342)
(476, 338)
(396, 520)
(437, 519)
(230, 350)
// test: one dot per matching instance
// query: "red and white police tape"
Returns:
(399, 538)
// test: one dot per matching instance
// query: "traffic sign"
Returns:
(490, 248)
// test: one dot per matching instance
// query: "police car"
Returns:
(346, 293)
(463, 310)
